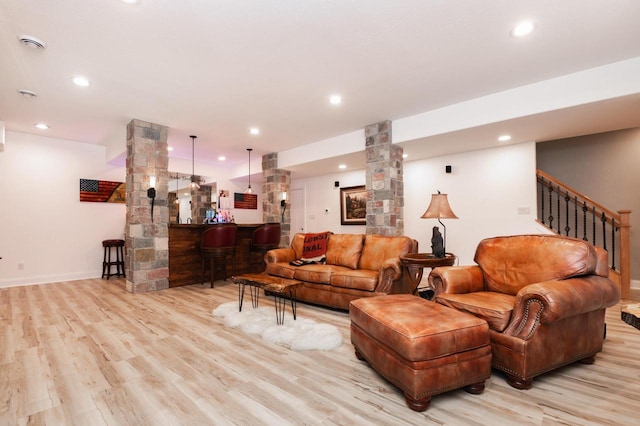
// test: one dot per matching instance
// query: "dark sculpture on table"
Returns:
(437, 246)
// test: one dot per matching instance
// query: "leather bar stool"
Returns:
(107, 263)
(266, 237)
(218, 242)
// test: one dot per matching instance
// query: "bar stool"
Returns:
(266, 237)
(218, 242)
(107, 263)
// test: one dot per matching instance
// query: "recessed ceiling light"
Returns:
(169, 148)
(504, 138)
(131, 1)
(81, 81)
(41, 126)
(222, 158)
(254, 131)
(27, 93)
(31, 42)
(405, 155)
(523, 28)
(335, 99)
(342, 166)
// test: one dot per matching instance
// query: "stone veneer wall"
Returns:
(275, 181)
(147, 240)
(200, 202)
(384, 181)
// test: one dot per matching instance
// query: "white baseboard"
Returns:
(47, 279)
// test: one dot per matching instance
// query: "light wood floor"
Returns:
(89, 353)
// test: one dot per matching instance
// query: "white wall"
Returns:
(43, 225)
(486, 189)
(323, 201)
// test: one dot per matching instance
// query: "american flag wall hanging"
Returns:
(102, 191)
(245, 201)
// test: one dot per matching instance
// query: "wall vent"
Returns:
(32, 42)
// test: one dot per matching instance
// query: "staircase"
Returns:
(568, 212)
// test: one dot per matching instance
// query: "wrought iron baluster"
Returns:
(551, 207)
(584, 221)
(603, 218)
(613, 244)
(542, 200)
(566, 213)
(575, 216)
(558, 209)
(593, 217)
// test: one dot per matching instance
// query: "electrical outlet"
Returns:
(20, 266)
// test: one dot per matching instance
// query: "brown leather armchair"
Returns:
(543, 296)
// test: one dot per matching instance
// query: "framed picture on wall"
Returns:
(353, 205)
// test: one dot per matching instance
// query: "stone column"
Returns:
(385, 186)
(147, 240)
(275, 181)
(200, 202)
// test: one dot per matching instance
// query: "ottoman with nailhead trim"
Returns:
(420, 346)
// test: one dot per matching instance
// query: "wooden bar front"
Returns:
(185, 263)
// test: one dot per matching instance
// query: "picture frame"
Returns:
(353, 205)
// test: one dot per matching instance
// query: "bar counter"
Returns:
(185, 264)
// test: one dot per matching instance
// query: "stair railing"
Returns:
(568, 212)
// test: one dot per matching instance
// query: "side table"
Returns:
(414, 264)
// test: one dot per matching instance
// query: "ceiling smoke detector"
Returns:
(27, 93)
(32, 42)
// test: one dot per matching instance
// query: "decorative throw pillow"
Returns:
(314, 248)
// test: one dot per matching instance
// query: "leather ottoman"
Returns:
(420, 346)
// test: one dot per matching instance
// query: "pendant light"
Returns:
(177, 189)
(194, 183)
(249, 190)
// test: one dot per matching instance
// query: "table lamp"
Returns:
(439, 209)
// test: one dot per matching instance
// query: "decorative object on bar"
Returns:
(283, 204)
(151, 193)
(439, 209)
(194, 182)
(249, 190)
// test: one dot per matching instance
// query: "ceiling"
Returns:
(216, 68)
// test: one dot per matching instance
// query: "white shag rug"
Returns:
(299, 335)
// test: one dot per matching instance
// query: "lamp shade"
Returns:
(439, 208)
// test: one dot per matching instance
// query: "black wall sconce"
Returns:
(151, 193)
(283, 204)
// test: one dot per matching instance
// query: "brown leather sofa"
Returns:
(357, 265)
(543, 296)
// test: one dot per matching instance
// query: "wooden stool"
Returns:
(422, 347)
(107, 263)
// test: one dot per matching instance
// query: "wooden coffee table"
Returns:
(281, 288)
